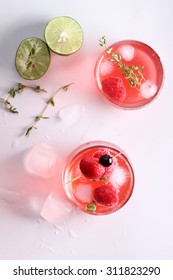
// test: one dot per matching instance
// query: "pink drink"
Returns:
(116, 183)
(138, 87)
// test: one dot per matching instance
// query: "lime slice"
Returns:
(64, 35)
(32, 58)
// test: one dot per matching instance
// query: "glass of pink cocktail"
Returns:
(98, 178)
(129, 74)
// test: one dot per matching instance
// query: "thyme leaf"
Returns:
(28, 130)
(51, 101)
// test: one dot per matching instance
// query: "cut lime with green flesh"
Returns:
(64, 35)
(32, 58)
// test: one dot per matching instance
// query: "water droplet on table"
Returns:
(58, 229)
(72, 233)
(44, 246)
(116, 245)
(47, 137)
(73, 252)
(15, 144)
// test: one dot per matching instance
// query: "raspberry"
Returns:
(114, 88)
(91, 168)
(109, 170)
(101, 152)
(106, 195)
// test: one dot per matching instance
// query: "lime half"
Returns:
(32, 58)
(64, 35)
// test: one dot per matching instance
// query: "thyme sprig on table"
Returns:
(51, 101)
(132, 73)
(10, 108)
(20, 87)
(17, 90)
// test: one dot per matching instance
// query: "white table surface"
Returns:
(143, 229)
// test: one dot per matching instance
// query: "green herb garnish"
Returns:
(91, 207)
(132, 73)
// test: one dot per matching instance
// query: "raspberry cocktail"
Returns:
(129, 74)
(98, 178)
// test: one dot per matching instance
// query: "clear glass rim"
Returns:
(89, 145)
(133, 106)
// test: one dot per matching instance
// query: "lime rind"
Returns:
(64, 35)
(32, 58)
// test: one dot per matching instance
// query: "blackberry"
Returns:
(105, 160)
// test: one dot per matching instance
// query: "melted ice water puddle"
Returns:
(10, 196)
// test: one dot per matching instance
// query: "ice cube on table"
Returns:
(148, 89)
(127, 52)
(71, 114)
(55, 208)
(106, 67)
(84, 192)
(40, 160)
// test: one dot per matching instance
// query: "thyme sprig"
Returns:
(17, 90)
(20, 87)
(132, 73)
(10, 108)
(41, 116)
